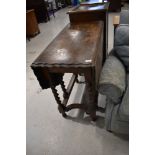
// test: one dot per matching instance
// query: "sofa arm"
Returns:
(112, 81)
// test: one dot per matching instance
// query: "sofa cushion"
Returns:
(124, 106)
(124, 17)
(121, 35)
(122, 52)
(112, 79)
(117, 124)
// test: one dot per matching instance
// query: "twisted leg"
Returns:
(61, 108)
(65, 95)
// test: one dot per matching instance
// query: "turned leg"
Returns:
(61, 108)
(65, 94)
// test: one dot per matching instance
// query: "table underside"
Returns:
(91, 95)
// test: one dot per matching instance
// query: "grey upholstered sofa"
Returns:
(114, 80)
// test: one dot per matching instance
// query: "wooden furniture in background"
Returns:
(115, 5)
(92, 12)
(49, 6)
(78, 50)
(32, 28)
(40, 9)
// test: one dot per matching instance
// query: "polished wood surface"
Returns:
(78, 50)
(32, 28)
(75, 45)
(85, 13)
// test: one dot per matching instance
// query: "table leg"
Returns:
(92, 102)
(92, 96)
(61, 107)
(65, 95)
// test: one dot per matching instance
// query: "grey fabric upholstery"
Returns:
(114, 84)
(117, 115)
(124, 106)
(119, 119)
(122, 52)
(113, 122)
(112, 79)
(118, 125)
(124, 17)
(121, 45)
(121, 35)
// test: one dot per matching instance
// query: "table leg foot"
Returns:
(64, 115)
(61, 107)
(93, 118)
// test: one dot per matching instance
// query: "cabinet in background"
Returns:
(32, 28)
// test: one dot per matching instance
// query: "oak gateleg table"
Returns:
(78, 49)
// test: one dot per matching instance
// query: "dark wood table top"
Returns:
(76, 45)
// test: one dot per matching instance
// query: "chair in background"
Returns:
(50, 8)
(60, 3)
(114, 79)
